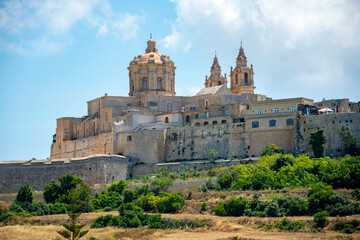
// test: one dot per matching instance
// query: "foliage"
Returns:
(118, 187)
(271, 150)
(164, 202)
(320, 219)
(341, 205)
(110, 200)
(58, 208)
(350, 144)
(317, 141)
(51, 192)
(356, 194)
(129, 195)
(347, 227)
(25, 194)
(209, 186)
(225, 181)
(319, 200)
(203, 207)
(159, 184)
(232, 207)
(287, 225)
(212, 153)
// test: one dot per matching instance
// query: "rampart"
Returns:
(96, 169)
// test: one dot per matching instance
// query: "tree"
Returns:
(51, 192)
(160, 184)
(212, 153)
(317, 141)
(271, 150)
(321, 220)
(225, 181)
(73, 231)
(25, 194)
(118, 187)
(350, 145)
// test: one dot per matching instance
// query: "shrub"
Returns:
(272, 209)
(225, 181)
(129, 195)
(232, 207)
(6, 215)
(58, 208)
(356, 194)
(222, 196)
(271, 150)
(220, 210)
(319, 200)
(339, 226)
(25, 194)
(203, 207)
(320, 219)
(293, 206)
(211, 173)
(295, 226)
(117, 187)
(209, 186)
(350, 144)
(159, 184)
(340, 205)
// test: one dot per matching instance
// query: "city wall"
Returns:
(99, 169)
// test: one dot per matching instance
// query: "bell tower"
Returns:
(215, 79)
(242, 77)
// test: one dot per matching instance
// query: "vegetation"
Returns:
(321, 220)
(350, 144)
(317, 141)
(271, 150)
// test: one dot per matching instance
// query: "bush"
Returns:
(129, 195)
(220, 210)
(271, 150)
(317, 141)
(321, 220)
(6, 215)
(225, 181)
(356, 194)
(272, 209)
(58, 208)
(203, 207)
(293, 206)
(340, 205)
(51, 192)
(159, 184)
(209, 186)
(117, 187)
(339, 226)
(232, 207)
(25, 194)
(319, 200)
(222, 196)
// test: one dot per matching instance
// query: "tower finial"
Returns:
(150, 35)
(215, 53)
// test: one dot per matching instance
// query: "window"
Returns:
(255, 124)
(197, 124)
(169, 107)
(236, 79)
(187, 119)
(166, 120)
(197, 115)
(206, 123)
(223, 122)
(272, 123)
(193, 108)
(206, 102)
(224, 113)
(203, 134)
(219, 133)
(293, 108)
(289, 122)
(276, 110)
(106, 116)
(246, 78)
(128, 138)
(159, 83)
(259, 111)
(144, 82)
(207, 114)
(214, 123)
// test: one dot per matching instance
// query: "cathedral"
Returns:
(154, 125)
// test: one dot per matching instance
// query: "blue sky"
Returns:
(56, 55)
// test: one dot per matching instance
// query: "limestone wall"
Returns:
(93, 170)
(331, 123)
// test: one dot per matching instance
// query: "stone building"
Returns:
(154, 125)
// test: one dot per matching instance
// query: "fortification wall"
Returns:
(331, 123)
(93, 170)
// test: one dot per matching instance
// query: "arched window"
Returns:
(206, 123)
(106, 116)
(214, 122)
(236, 79)
(223, 122)
(207, 114)
(220, 133)
(203, 134)
(224, 113)
(197, 124)
(272, 123)
(197, 115)
(289, 122)
(187, 119)
(144, 83)
(206, 103)
(255, 124)
(166, 120)
(246, 78)
(169, 107)
(159, 83)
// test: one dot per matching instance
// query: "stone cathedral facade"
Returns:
(154, 125)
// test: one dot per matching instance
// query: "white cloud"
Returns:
(176, 41)
(54, 19)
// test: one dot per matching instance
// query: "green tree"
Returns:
(212, 153)
(271, 150)
(118, 187)
(25, 194)
(51, 192)
(159, 184)
(317, 141)
(350, 144)
(321, 220)
(225, 181)
(73, 230)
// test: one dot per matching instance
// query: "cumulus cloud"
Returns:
(52, 20)
(297, 42)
